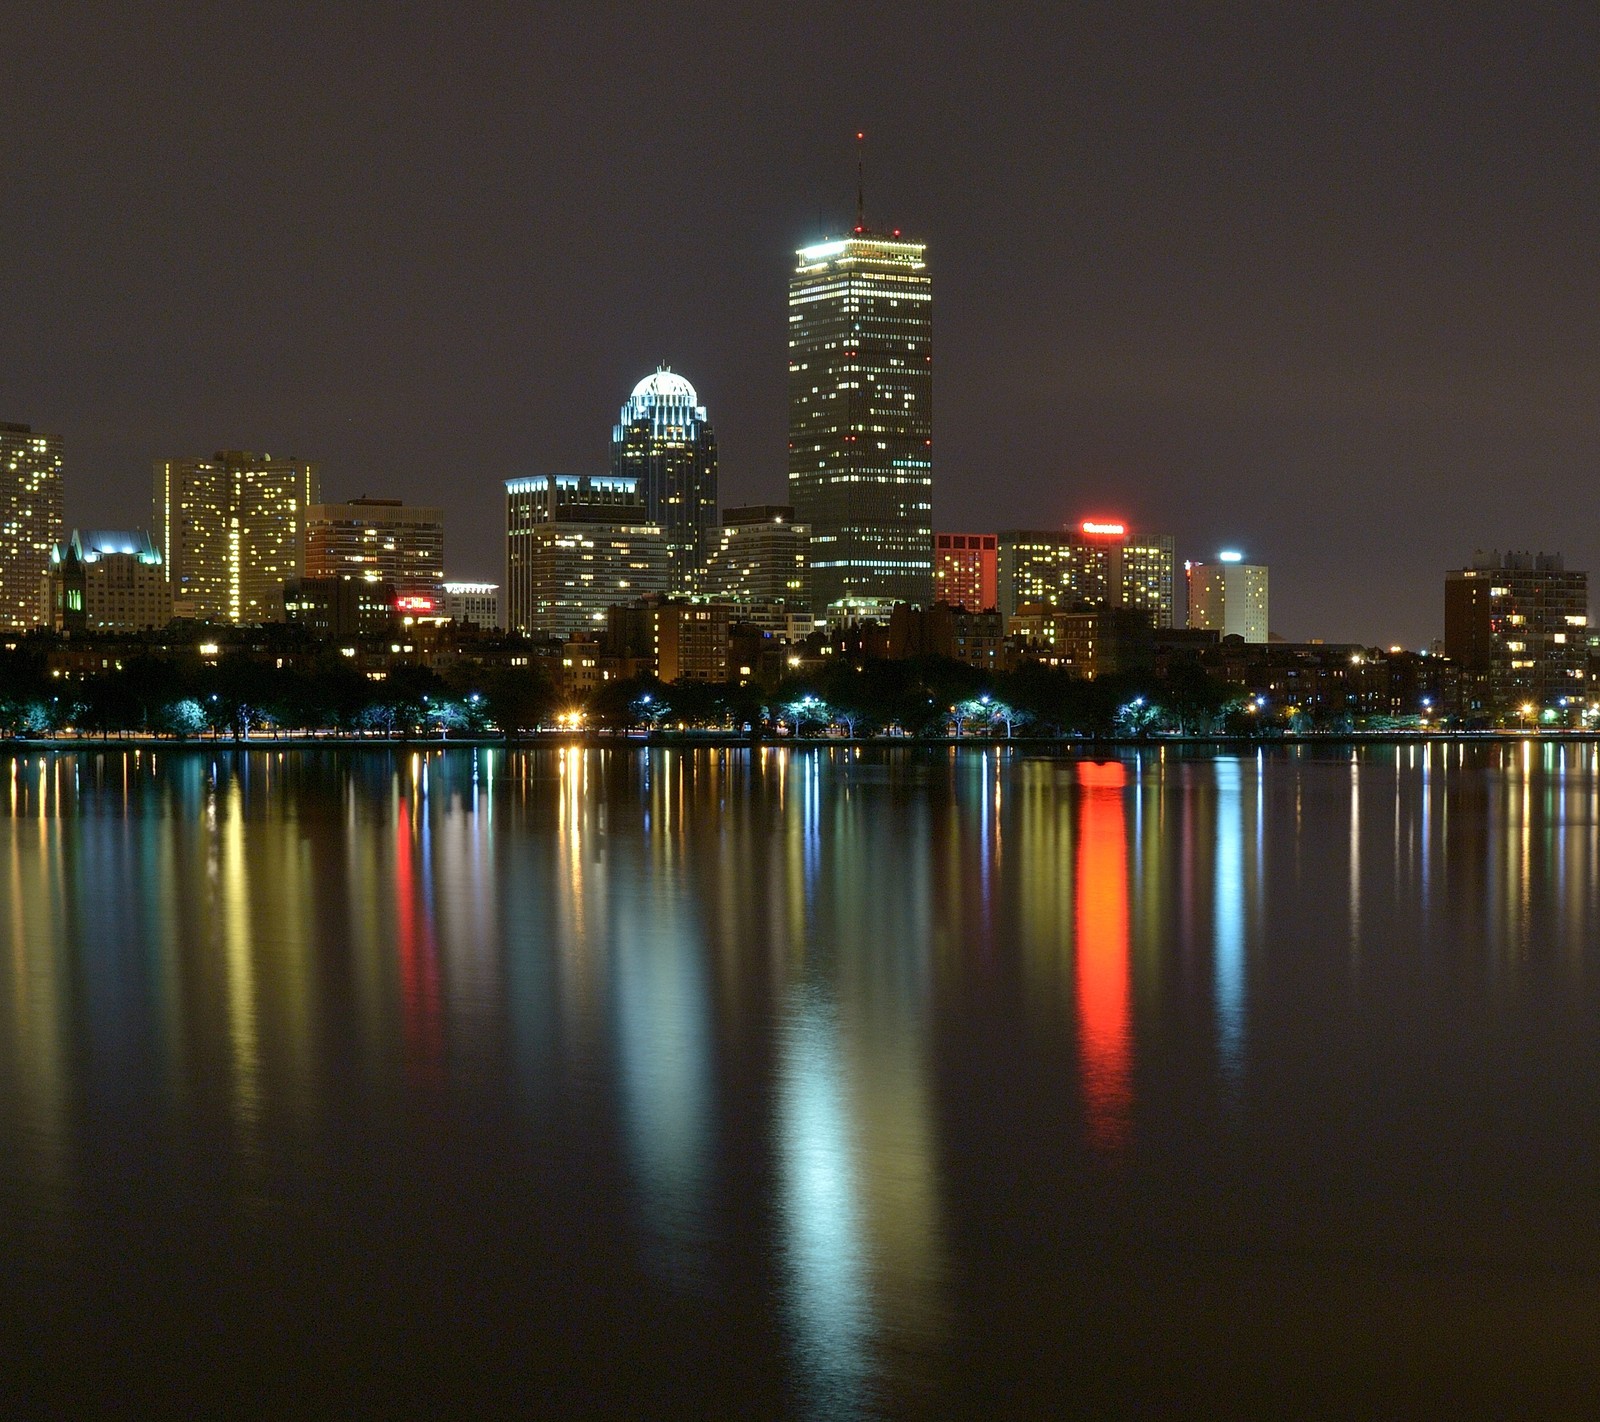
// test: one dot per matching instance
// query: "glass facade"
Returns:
(664, 440)
(861, 421)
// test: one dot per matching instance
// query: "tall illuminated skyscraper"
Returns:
(232, 532)
(664, 440)
(861, 420)
(30, 520)
(1229, 596)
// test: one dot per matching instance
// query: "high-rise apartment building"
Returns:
(377, 541)
(861, 421)
(966, 570)
(477, 604)
(1517, 627)
(1228, 597)
(664, 440)
(101, 581)
(577, 544)
(232, 531)
(1097, 564)
(760, 558)
(30, 520)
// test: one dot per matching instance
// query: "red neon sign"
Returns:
(414, 604)
(1108, 530)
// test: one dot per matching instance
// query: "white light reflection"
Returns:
(821, 1211)
(1228, 912)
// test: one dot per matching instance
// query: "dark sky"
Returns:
(1318, 281)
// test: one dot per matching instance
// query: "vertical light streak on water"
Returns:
(1425, 888)
(233, 884)
(36, 1100)
(1101, 923)
(828, 1298)
(1355, 862)
(666, 1070)
(1228, 918)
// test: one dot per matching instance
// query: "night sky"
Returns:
(1314, 281)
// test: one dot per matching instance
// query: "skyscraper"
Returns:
(1229, 596)
(232, 532)
(377, 541)
(30, 520)
(861, 420)
(575, 546)
(664, 440)
(1098, 563)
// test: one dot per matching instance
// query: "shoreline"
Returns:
(722, 740)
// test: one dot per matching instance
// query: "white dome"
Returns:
(664, 388)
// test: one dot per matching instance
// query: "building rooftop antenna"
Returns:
(861, 200)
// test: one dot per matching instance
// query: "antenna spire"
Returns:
(861, 189)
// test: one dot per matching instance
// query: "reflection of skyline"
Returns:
(738, 979)
(1101, 924)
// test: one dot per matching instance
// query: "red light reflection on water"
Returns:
(1104, 1039)
(419, 957)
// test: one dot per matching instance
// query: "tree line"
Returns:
(237, 696)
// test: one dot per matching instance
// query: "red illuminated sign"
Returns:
(413, 604)
(1108, 530)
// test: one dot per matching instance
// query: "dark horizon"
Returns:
(1317, 285)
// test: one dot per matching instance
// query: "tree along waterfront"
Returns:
(238, 696)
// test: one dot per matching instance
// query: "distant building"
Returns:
(1517, 627)
(338, 607)
(231, 530)
(966, 570)
(475, 603)
(664, 440)
(861, 421)
(30, 520)
(760, 557)
(1229, 597)
(678, 641)
(378, 541)
(1103, 641)
(1099, 563)
(577, 544)
(948, 630)
(101, 581)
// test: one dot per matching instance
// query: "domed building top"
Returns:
(664, 387)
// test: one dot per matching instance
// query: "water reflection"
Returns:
(1102, 953)
(786, 1039)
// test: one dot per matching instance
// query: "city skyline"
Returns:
(1230, 275)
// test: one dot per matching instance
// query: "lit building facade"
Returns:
(30, 520)
(577, 544)
(1517, 627)
(664, 440)
(861, 421)
(477, 604)
(1228, 597)
(1100, 563)
(101, 581)
(377, 541)
(232, 531)
(760, 557)
(966, 570)
(340, 607)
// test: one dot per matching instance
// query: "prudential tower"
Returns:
(861, 420)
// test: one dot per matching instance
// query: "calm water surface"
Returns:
(803, 1083)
